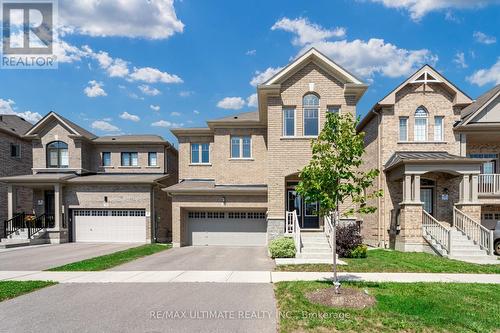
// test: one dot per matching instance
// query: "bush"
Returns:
(348, 238)
(359, 251)
(282, 248)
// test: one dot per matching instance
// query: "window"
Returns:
(57, 155)
(200, 153)
(241, 147)
(129, 159)
(15, 150)
(333, 109)
(403, 129)
(311, 208)
(421, 124)
(310, 103)
(152, 159)
(289, 122)
(106, 158)
(438, 129)
(489, 167)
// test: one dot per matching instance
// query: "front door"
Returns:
(306, 212)
(50, 207)
(427, 197)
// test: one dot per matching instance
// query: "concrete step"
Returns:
(316, 250)
(316, 245)
(317, 239)
(314, 256)
(469, 253)
(6, 243)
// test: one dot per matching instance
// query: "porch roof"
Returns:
(206, 186)
(38, 178)
(427, 157)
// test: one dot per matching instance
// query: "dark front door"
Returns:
(50, 207)
(306, 212)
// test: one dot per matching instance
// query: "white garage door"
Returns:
(227, 228)
(109, 225)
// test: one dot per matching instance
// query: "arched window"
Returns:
(421, 116)
(57, 155)
(310, 103)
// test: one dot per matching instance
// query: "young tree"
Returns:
(333, 175)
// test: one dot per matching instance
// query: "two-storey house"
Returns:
(15, 159)
(94, 189)
(238, 174)
(437, 152)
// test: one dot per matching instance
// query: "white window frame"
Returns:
(399, 129)
(330, 107)
(18, 149)
(200, 153)
(304, 122)
(240, 148)
(294, 122)
(426, 127)
(102, 158)
(150, 153)
(131, 160)
(441, 137)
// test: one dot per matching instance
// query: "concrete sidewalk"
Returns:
(238, 277)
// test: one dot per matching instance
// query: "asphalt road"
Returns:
(143, 307)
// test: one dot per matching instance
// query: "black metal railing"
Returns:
(30, 222)
(41, 222)
(14, 224)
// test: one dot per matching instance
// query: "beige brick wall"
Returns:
(142, 154)
(186, 169)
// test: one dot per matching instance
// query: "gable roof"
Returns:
(470, 111)
(14, 125)
(118, 139)
(401, 157)
(77, 130)
(238, 118)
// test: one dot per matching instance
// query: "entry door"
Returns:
(306, 212)
(427, 197)
(50, 207)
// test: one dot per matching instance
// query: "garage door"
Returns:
(227, 228)
(110, 225)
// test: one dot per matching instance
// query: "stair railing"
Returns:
(436, 231)
(292, 228)
(14, 224)
(41, 222)
(475, 231)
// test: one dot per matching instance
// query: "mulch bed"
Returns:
(348, 298)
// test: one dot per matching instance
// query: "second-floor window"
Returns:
(310, 103)
(129, 159)
(200, 153)
(289, 122)
(106, 158)
(15, 150)
(241, 147)
(57, 155)
(421, 116)
(403, 129)
(152, 159)
(438, 128)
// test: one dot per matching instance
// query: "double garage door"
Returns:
(107, 225)
(239, 228)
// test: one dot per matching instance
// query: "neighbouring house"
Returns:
(238, 174)
(93, 189)
(438, 154)
(15, 159)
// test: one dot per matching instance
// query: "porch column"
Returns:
(463, 144)
(416, 188)
(57, 206)
(465, 189)
(10, 202)
(474, 185)
(407, 188)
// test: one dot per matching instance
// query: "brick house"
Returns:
(93, 189)
(15, 159)
(238, 174)
(438, 155)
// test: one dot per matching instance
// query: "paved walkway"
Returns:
(239, 277)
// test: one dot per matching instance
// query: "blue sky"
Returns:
(146, 66)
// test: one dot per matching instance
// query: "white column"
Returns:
(463, 144)
(10, 202)
(474, 190)
(465, 189)
(416, 188)
(407, 188)
(57, 206)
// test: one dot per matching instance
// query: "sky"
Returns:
(139, 66)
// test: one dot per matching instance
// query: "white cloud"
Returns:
(7, 106)
(486, 75)
(155, 107)
(261, 77)
(251, 52)
(175, 114)
(186, 93)
(460, 60)
(231, 103)
(153, 75)
(104, 126)
(419, 8)
(94, 89)
(166, 124)
(32, 117)
(483, 38)
(114, 67)
(147, 90)
(153, 19)
(196, 112)
(66, 53)
(307, 32)
(252, 101)
(127, 116)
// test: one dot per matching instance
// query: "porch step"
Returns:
(316, 250)
(6, 243)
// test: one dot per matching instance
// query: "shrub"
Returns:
(359, 251)
(348, 238)
(282, 248)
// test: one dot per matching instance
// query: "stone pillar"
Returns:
(10, 201)
(416, 188)
(275, 228)
(57, 206)
(471, 210)
(407, 189)
(465, 189)
(410, 237)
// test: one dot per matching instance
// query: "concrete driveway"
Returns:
(143, 307)
(204, 258)
(35, 258)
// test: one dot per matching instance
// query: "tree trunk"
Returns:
(335, 220)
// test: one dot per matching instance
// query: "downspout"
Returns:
(379, 177)
(153, 215)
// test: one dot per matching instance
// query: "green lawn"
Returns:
(415, 307)
(11, 289)
(394, 261)
(114, 259)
